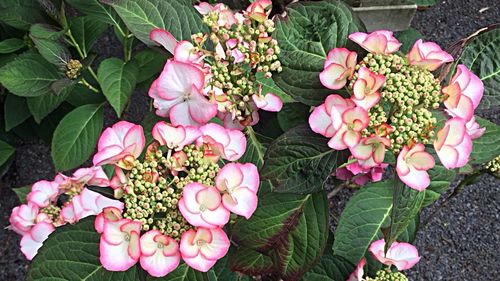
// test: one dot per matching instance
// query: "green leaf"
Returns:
(21, 13)
(11, 45)
(256, 147)
(148, 123)
(250, 262)
(177, 16)
(306, 35)
(72, 253)
(408, 38)
(46, 31)
(223, 271)
(22, 192)
(293, 114)
(76, 136)
(182, 273)
(487, 147)
(330, 268)
(299, 161)
(149, 63)
(96, 11)
(424, 3)
(29, 75)
(16, 111)
(406, 204)
(361, 220)
(42, 106)
(6, 152)
(481, 56)
(51, 50)
(268, 86)
(81, 95)
(117, 80)
(305, 243)
(409, 234)
(86, 30)
(441, 179)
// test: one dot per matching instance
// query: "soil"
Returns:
(460, 240)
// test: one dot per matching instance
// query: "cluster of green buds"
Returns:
(494, 166)
(243, 48)
(387, 275)
(73, 68)
(52, 211)
(407, 98)
(154, 186)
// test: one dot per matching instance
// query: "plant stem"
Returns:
(75, 44)
(336, 190)
(88, 85)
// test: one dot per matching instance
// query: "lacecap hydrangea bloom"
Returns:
(198, 84)
(391, 108)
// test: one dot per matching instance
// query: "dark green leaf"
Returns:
(256, 148)
(76, 136)
(424, 3)
(487, 146)
(362, 219)
(177, 16)
(29, 75)
(53, 51)
(330, 268)
(299, 161)
(117, 80)
(182, 273)
(42, 106)
(149, 63)
(46, 31)
(86, 30)
(22, 192)
(406, 204)
(440, 182)
(16, 111)
(250, 262)
(293, 114)
(148, 123)
(408, 38)
(6, 152)
(409, 234)
(306, 35)
(21, 13)
(81, 95)
(268, 86)
(96, 11)
(72, 253)
(481, 56)
(11, 45)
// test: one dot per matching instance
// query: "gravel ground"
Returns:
(460, 240)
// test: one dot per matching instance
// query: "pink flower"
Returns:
(348, 134)
(259, 10)
(43, 193)
(108, 215)
(84, 176)
(230, 144)
(428, 55)
(120, 144)
(339, 66)
(175, 137)
(412, 166)
(463, 93)
(178, 93)
(159, 253)
(120, 245)
(33, 241)
(87, 203)
(357, 274)
(232, 46)
(225, 16)
(370, 151)
(360, 175)
(202, 248)
(202, 206)
(322, 117)
(23, 218)
(400, 254)
(473, 129)
(377, 42)
(268, 102)
(239, 184)
(453, 145)
(365, 89)
(118, 182)
(183, 51)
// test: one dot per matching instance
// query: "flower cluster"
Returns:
(54, 203)
(177, 197)
(198, 84)
(390, 108)
(402, 255)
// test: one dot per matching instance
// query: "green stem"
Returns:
(88, 85)
(128, 41)
(398, 185)
(75, 44)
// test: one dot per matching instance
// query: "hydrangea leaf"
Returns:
(86, 30)
(481, 56)
(487, 147)
(76, 136)
(141, 16)
(6, 151)
(72, 253)
(117, 80)
(251, 262)
(305, 35)
(22, 192)
(300, 161)
(11, 45)
(15, 111)
(293, 114)
(330, 268)
(96, 11)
